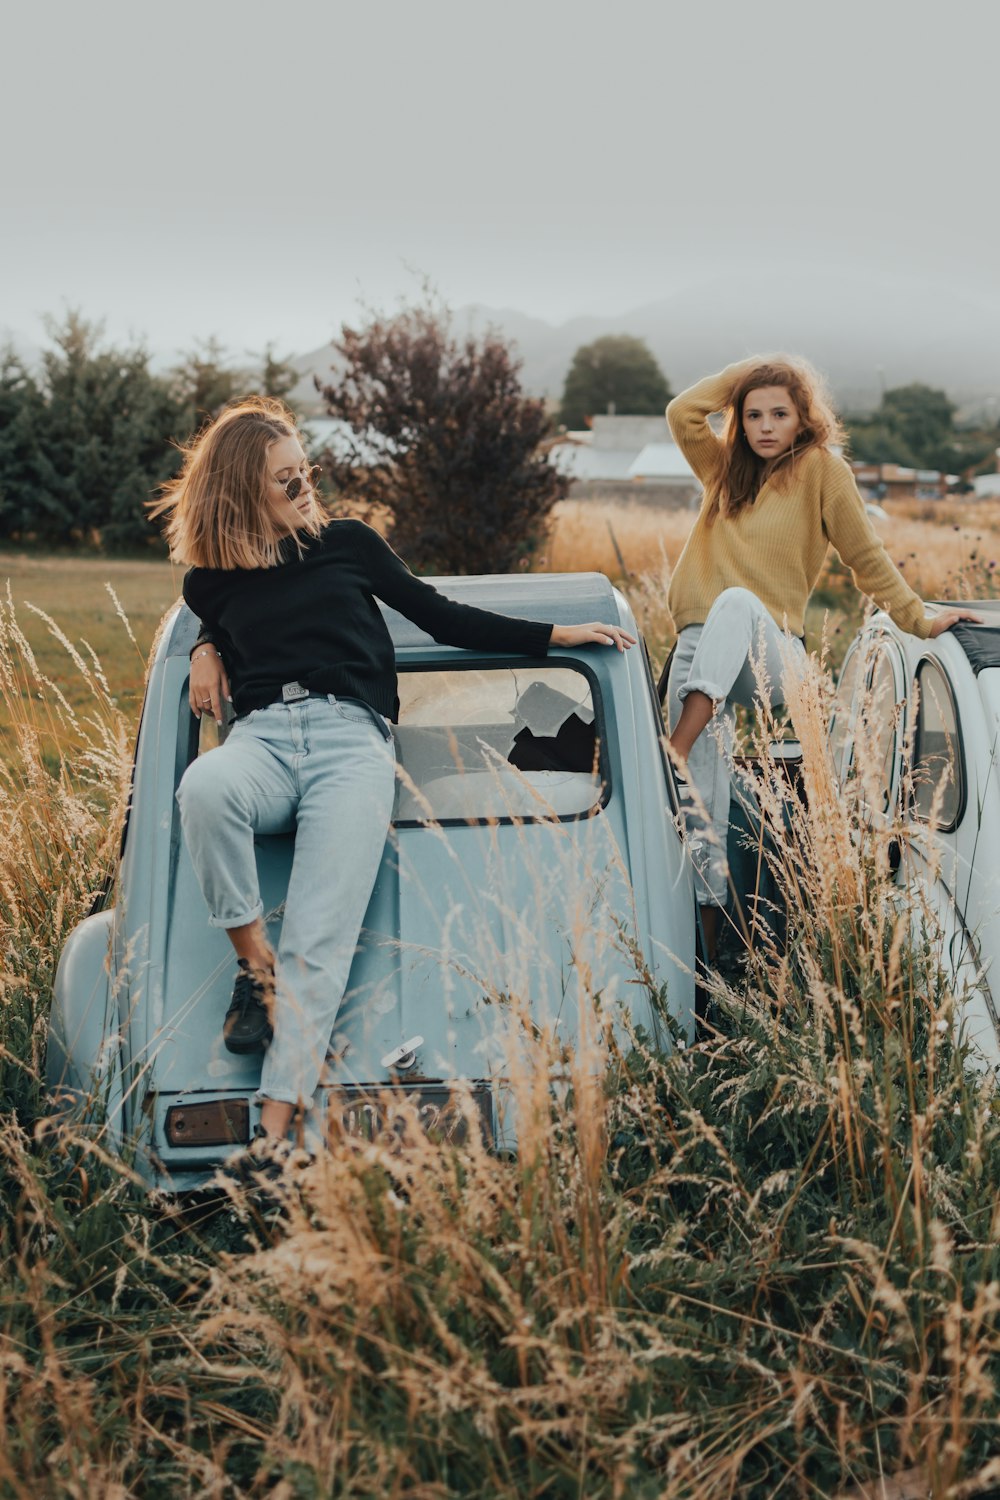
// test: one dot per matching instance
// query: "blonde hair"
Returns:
(218, 515)
(741, 473)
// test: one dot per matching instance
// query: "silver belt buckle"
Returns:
(293, 692)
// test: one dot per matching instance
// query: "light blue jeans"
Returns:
(326, 769)
(717, 659)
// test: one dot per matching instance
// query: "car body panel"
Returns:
(956, 866)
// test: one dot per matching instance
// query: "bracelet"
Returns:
(205, 651)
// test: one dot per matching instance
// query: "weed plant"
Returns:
(761, 1265)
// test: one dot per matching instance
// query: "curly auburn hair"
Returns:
(742, 473)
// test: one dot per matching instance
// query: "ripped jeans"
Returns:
(717, 659)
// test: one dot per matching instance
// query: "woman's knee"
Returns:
(737, 601)
(204, 793)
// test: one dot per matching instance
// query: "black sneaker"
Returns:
(247, 1027)
(268, 1170)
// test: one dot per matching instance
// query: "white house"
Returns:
(626, 458)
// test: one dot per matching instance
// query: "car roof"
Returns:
(980, 641)
(556, 598)
(988, 608)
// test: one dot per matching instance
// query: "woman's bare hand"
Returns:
(951, 617)
(208, 688)
(593, 634)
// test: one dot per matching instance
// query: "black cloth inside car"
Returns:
(571, 748)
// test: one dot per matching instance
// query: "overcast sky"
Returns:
(251, 170)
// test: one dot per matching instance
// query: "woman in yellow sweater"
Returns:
(775, 496)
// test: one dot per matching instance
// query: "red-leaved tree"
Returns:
(438, 432)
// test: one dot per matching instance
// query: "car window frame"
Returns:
(961, 776)
(471, 662)
(878, 642)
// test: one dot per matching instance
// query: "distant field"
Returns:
(73, 592)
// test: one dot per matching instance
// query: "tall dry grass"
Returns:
(944, 550)
(59, 810)
(763, 1265)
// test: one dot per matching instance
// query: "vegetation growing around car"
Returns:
(765, 1263)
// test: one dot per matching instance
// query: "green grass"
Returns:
(73, 591)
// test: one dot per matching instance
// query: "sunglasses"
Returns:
(293, 487)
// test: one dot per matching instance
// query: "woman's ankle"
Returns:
(250, 944)
(276, 1117)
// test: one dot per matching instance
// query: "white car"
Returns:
(931, 710)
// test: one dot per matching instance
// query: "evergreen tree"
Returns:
(108, 426)
(205, 381)
(278, 377)
(25, 472)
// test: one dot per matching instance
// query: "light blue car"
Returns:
(534, 872)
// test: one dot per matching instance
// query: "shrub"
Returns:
(443, 439)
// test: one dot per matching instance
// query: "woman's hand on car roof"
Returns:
(593, 634)
(951, 617)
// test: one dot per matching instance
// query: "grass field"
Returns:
(764, 1266)
(73, 592)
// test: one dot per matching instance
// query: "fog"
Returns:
(257, 175)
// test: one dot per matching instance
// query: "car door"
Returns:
(899, 743)
(952, 808)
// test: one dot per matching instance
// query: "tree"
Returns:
(205, 381)
(108, 425)
(914, 425)
(278, 377)
(442, 437)
(615, 373)
(25, 472)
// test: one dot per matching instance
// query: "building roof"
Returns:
(629, 432)
(583, 461)
(622, 448)
(660, 461)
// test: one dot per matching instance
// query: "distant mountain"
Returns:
(864, 335)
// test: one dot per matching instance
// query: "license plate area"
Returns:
(210, 1122)
(441, 1111)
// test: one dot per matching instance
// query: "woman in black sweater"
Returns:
(291, 630)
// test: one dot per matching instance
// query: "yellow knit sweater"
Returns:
(776, 546)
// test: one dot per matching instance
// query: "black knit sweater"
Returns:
(313, 619)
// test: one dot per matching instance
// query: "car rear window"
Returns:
(477, 743)
(938, 782)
